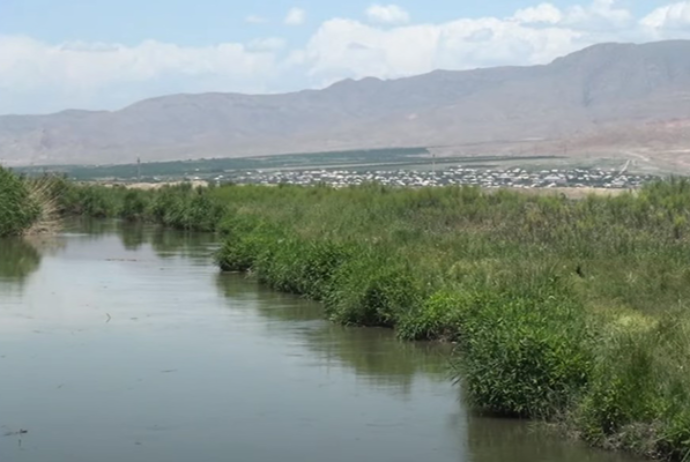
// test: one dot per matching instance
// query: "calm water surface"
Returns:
(125, 344)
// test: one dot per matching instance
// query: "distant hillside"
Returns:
(606, 97)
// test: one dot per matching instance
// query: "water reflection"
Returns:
(379, 356)
(88, 227)
(170, 243)
(166, 243)
(492, 439)
(133, 235)
(380, 361)
(375, 355)
(18, 260)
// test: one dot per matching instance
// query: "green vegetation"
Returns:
(18, 209)
(566, 310)
(573, 311)
(180, 207)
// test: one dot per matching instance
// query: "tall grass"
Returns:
(18, 209)
(180, 206)
(42, 191)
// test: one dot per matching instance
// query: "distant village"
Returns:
(487, 178)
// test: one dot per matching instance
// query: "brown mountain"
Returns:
(606, 97)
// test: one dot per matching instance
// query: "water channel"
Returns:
(125, 343)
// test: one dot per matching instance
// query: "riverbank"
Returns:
(157, 348)
(565, 310)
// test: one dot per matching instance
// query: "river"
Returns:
(125, 343)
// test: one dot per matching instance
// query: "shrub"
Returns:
(525, 356)
(302, 266)
(639, 394)
(440, 317)
(245, 242)
(18, 210)
(372, 290)
(135, 203)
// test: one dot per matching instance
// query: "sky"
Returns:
(107, 54)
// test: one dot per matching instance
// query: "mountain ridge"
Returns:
(577, 98)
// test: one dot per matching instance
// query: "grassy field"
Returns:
(572, 311)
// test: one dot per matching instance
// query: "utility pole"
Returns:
(139, 168)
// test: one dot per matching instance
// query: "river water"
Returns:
(124, 343)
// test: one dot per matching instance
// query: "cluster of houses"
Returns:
(512, 177)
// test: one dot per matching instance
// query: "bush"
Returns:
(179, 207)
(135, 203)
(372, 290)
(187, 208)
(98, 202)
(639, 396)
(18, 210)
(246, 239)
(440, 317)
(525, 354)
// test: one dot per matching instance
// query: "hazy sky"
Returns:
(105, 54)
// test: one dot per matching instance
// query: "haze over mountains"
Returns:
(609, 98)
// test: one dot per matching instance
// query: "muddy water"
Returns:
(124, 343)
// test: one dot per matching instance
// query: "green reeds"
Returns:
(18, 209)
(180, 206)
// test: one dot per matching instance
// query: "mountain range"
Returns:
(607, 98)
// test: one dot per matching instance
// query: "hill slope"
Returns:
(594, 97)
